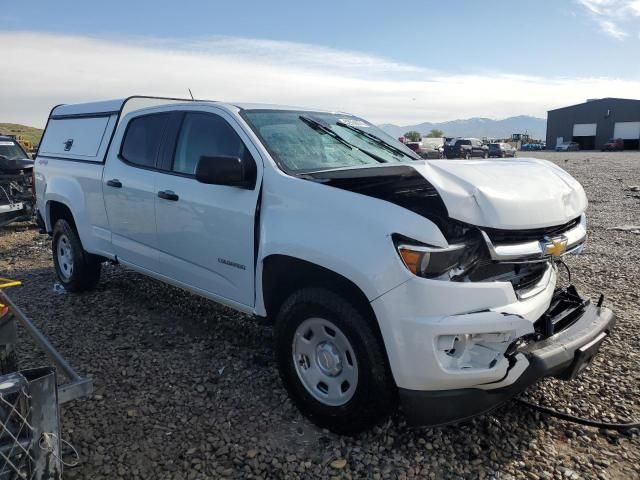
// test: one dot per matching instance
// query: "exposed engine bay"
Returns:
(16, 183)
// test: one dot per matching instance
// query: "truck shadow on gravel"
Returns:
(181, 382)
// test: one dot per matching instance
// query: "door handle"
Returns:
(168, 195)
(115, 183)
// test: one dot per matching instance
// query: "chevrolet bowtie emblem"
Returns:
(555, 247)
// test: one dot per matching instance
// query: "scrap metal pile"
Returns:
(30, 441)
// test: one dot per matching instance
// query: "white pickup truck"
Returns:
(389, 279)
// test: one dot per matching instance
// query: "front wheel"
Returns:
(332, 362)
(77, 270)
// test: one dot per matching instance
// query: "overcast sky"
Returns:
(424, 61)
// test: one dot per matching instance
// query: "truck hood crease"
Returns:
(524, 193)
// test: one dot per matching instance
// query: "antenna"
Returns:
(192, 99)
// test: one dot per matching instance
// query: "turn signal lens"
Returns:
(415, 261)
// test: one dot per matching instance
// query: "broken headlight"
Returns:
(436, 262)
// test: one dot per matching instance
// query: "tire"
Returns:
(77, 270)
(369, 397)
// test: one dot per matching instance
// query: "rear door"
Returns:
(476, 148)
(128, 185)
(206, 232)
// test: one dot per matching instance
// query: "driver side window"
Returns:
(205, 134)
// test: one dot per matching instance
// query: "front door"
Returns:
(128, 186)
(206, 232)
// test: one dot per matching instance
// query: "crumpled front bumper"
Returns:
(563, 355)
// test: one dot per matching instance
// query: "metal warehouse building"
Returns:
(593, 123)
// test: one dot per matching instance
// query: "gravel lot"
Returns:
(186, 389)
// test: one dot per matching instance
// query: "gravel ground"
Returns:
(186, 389)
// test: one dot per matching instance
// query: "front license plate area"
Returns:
(584, 356)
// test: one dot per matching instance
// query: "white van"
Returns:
(389, 279)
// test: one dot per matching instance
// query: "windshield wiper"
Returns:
(376, 139)
(316, 125)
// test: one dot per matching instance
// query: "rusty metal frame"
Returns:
(78, 386)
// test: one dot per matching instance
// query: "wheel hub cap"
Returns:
(328, 358)
(325, 361)
(64, 253)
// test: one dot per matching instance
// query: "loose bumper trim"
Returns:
(563, 355)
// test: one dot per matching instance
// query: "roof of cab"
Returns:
(108, 107)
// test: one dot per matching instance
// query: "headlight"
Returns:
(432, 262)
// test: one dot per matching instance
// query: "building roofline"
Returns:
(596, 100)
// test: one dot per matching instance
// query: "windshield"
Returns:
(12, 150)
(302, 141)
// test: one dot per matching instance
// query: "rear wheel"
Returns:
(77, 270)
(332, 362)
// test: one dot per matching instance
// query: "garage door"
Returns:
(627, 130)
(584, 130)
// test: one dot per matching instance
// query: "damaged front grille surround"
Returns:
(564, 240)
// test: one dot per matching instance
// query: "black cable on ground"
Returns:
(567, 269)
(582, 421)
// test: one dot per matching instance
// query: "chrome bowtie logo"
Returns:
(555, 247)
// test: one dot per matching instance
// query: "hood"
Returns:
(15, 165)
(525, 193)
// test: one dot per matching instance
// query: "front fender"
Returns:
(345, 232)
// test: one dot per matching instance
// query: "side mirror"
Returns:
(230, 171)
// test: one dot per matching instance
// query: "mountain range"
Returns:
(477, 127)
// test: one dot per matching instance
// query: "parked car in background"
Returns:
(426, 149)
(432, 151)
(465, 148)
(567, 147)
(613, 145)
(501, 150)
(532, 147)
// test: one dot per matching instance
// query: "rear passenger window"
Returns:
(143, 138)
(205, 134)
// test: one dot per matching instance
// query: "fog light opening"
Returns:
(473, 351)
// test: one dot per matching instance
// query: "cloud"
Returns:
(48, 69)
(613, 16)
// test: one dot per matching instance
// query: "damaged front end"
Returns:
(486, 357)
(481, 318)
(577, 328)
(504, 361)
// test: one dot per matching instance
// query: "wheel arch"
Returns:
(283, 274)
(57, 210)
